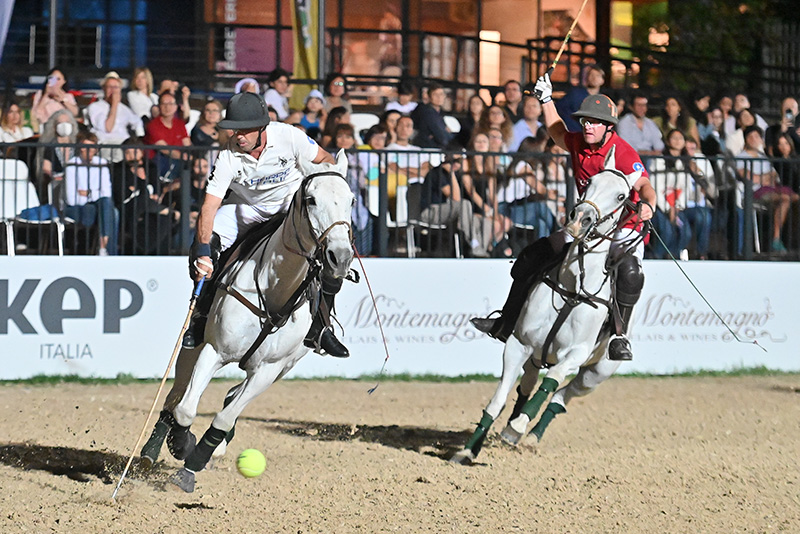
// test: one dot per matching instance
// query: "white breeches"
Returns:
(234, 219)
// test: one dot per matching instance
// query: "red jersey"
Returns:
(586, 162)
(158, 131)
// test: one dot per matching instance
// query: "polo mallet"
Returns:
(566, 39)
(175, 351)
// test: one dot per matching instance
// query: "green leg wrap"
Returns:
(553, 409)
(531, 407)
(475, 443)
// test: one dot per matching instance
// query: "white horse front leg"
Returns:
(208, 363)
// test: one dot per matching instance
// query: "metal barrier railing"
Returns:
(408, 203)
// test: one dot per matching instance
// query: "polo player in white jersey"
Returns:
(254, 178)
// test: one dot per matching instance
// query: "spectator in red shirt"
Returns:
(598, 117)
(169, 130)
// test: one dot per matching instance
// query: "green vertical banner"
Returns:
(304, 27)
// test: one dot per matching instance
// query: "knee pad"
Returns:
(630, 280)
(532, 258)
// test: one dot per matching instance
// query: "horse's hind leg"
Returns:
(587, 379)
(514, 354)
(517, 426)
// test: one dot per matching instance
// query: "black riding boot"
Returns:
(529, 268)
(320, 336)
(627, 290)
(197, 327)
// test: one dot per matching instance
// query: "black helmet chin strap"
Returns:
(260, 132)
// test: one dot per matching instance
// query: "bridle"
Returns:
(592, 233)
(319, 238)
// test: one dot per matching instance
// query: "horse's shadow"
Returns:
(428, 441)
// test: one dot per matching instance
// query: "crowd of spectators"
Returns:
(495, 173)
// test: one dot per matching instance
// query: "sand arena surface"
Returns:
(658, 455)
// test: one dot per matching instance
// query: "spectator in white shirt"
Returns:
(142, 99)
(639, 131)
(111, 120)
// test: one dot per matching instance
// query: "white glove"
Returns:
(544, 88)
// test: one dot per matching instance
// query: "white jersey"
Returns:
(269, 182)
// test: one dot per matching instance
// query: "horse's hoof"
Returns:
(183, 479)
(463, 457)
(510, 436)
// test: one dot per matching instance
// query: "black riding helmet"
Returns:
(598, 107)
(244, 111)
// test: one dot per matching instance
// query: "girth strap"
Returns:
(273, 321)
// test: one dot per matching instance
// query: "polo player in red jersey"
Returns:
(588, 148)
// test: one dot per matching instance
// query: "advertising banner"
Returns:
(105, 316)
(305, 24)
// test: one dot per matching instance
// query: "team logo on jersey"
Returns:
(283, 161)
(638, 167)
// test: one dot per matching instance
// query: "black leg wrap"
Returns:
(180, 441)
(521, 400)
(201, 454)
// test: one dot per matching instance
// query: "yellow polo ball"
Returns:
(251, 463)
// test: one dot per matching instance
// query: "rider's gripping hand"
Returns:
(645, 211)
(200, 264)
(544, 88)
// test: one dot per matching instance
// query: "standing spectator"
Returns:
(475, 107)
(111, 120)
(675, 116)
(313, 119)
(787, 125)
(52, 97)
(513, 93)
(87, 186)
(142, 99)
(335, 117)
(741, 102)
(767, 188)
(495, 116)
(181, 93)
(592, 79)
(405, 102)
(639, 131)
(429, 120)
(11, 129)
(389, 120)
(277, 94)
(167, 130)
(357, 180)
(528, 125)
(50, 161)
(336, 92)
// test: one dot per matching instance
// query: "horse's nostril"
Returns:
(332, 258)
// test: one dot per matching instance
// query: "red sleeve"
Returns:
(628, 160)
(573, 140)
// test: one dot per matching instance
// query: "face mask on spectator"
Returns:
(64, 129)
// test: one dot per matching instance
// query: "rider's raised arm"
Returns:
(555, 124)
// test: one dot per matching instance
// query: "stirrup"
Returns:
(619, 349)
(326, 343)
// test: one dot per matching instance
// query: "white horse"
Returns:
(575, 294)
(316, 231)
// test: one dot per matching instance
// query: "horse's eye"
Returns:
(311, 201)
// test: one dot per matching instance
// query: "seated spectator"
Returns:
(246, 85)
(638, 130)
(335, 117)
(428, 120)
(701, 191)
(442, 202)
(278, 92)
(734, 142)
(712, 134)
(207, 131)
(404, 168)
(513, 106)
(168, 130)
(498, 151)
(700, 106)
(554, 175)
(592, 79)
(111, 120)
(787, 125)
(786, 161)
(389, 120)
(529, 124)
(670, 181)
(87, 187)
(495, 116)
(52, 97)
(405, 102)
(147, 223)
(741, 102)
(475, 107)
(313, 119)
(11, 128)
(181, 94)
(521, 196)
(767, 188)
(675, 116)
(336, 93)
(141, 98)
(345, 137)
(480, 187)
(61, 128)
(373, 164)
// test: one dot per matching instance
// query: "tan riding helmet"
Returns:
(598, 107)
